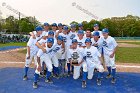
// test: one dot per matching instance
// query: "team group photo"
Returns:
(82, 52)
(75, 46)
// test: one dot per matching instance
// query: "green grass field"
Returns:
(128, 55)
(13, 44)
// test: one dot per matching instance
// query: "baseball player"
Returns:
(57, 52)
(63, 58)
(32, 50)
(44, 33)
(81, 39)
(43, 55)
(93, 60)
(109, 48)
(97, 41)
(72, 34)
(50, 34)
(60, 27)
(75, 58)
(88, 33)
(96, 28)
(80, 26)
(54, 28)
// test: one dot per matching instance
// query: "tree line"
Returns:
(128, 26)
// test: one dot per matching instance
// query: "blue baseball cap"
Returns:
(96, 25)
(50, 33)
(80, 32)
(54, 24)
(80, 25)
(46, 24)
(96, 33)
(60, 24)
(50, 40)
(60, 38)
(73, 26)
(38, 28)
(74, 41)
(65, 28)
(88, 40)
(105, 30)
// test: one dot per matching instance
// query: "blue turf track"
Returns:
(9, 48)
(11, 82)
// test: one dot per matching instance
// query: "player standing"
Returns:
(96, 28)
(63, 58)
(81, 39)
(109, 48)
(32, 50)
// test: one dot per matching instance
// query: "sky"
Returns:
(66, 11)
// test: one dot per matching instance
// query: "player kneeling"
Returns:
(44, 57)
(76, 59)
(93, 60)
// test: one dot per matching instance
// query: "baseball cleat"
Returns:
(113, 81)
(48, 81)
(25, 77)
(83, 84)
(108, 76)
(56, 76)
(35, 85)
(68, 74)
(41, 74)
(98, 82)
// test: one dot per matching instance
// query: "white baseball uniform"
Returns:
(65, 40)
(109, 45)
(99, 44)
(81, 42)
(92, 58)
(79, 52)
(33, 51)
(56, 54)
(71, 36)
(46, 57)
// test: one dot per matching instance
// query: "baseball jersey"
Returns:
(77, 51)
(35, 33)
(31, 43)
(81, 42)
(65, 38)
(45, 33)
(108, 45)
(56, 49)
(48, 51)
(99, 44)
(92, 56)
(71, 36)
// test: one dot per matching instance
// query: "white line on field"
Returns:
(128, 66)
(124, 66)
(11, 62)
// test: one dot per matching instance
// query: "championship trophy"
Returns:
(75, 57)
